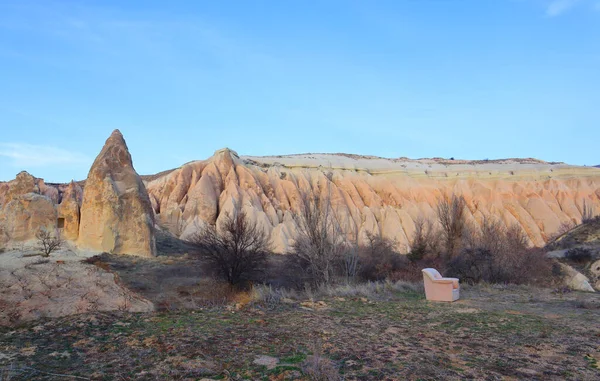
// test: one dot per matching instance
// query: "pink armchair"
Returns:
(438, 288)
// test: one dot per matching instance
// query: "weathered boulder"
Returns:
(595, 268)
(116, 213)
(575, 280)
(22, 184)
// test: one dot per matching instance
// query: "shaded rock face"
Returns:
(116, 213)
(69, 212)
(371, 194)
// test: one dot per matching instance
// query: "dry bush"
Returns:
(317, 367)
(451, 216)
(48, 242)
(267, 296)
(579, 255)
(237, 249)
(426, 241)
(206, 293)
(500, 255)
(378, 258)
(320, 244)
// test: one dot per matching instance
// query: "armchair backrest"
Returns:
(433, 274)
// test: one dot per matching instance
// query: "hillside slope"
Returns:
(371, 194)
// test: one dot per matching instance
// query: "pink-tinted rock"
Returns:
(116, 213)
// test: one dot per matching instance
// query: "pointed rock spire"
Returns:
(116, 213)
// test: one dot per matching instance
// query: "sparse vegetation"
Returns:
(451, 216)
(237, 248)
(579, 254)
(48, 242)
(587, 213)
(379, 260)
(320, 244)
(426, 241)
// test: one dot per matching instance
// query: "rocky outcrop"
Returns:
(575, 280)
(69, 211)
(25, 215)
(116, 213)
(27, 205)
(368, 194)
(595, 268)
(371, 194)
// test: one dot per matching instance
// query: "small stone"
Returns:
(268, 361)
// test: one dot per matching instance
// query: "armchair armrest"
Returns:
(453, 281)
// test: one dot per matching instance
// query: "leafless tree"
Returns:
(351, 256)
(320, 242)
(48, 242)
(379, 258)
(451, 215)
(425, 239)
(237, 248)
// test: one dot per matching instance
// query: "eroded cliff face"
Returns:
(370, 194)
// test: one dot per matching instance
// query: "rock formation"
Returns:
(575, 280)
(27, 205)
(116, 213)
(24, 215)
(371, 194)
(368, 194)
(69, 211)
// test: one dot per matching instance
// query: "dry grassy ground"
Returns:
(492, 333)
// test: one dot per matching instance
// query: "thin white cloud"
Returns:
(558, 7)
(26, 156)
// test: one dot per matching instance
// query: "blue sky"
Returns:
(471, 79)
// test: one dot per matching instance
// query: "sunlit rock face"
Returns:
(27, 205)
(116, 214)
(370, 194)
(116, 211)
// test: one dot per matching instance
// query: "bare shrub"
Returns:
(564, 228)
(500, 255)
(320, 243)
(237, 249)
(267, 296)
(579, 254)
(425, 241)
(48, 242)
(451, 215)
(379, 259)
(317, 367)
(350, 259)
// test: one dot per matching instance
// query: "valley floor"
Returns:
(507, 332)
